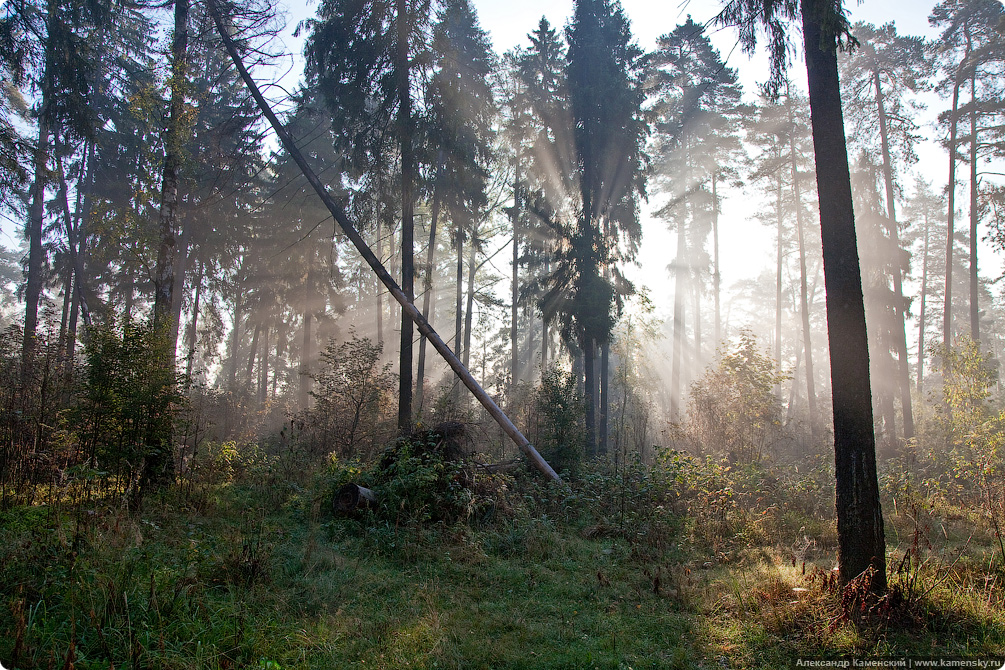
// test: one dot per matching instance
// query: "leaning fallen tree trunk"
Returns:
(350, 231)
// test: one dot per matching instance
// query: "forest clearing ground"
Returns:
(223, 582)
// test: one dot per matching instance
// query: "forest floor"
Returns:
(238, 575)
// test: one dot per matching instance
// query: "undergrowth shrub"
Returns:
(559, 419)
(351, 395)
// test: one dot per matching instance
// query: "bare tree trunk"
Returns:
(173, 140)
(778, 280)
(427, 298)
(459, 290)
(975, 314)
(804, 303)
(251, 356)
(716, 270)
(305, 362)
(515, 287)
(235, 339)
(947, 312)
(380, 294)
(405, 128)
(922, 309)
(678, 322)
(470, 302)
(861, 543)
(263, 365)
(193, 326)
(900, 336)
(590, 395)
(36, 214)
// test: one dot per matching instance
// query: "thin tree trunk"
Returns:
(380, 295)
(778, 280)
(590, 395)
(305, 362)
(459, 294)
(180, 270)
(263, 365)
(975, 314)
(605, 362)
(922, 309)
(544, 344)
(470, 301)
(235, 339)
(251, 356)
(716, 270)
(193, 326)
(861, 543)
(427, 298)
(515, 287)
(36, 214)
(804, 307)
(947, 312)
(405, 128)
(899, 333)
(678, 323)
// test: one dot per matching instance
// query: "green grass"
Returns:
(550, 584)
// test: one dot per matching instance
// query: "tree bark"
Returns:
(716, 270)
(921, 311)
(947, 312)
(975, 314)
(36, 214)
(678, 323)
(861, 542)
(804, 303)
(193, 326)
(168, 220)
(515, 288)
(590, 394)
(899, 333)
(427, 297)
(778, 279)
(405, 123)
(470, 300)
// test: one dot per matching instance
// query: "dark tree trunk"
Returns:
(470, 301)
(605, 361)
(380, 295)
(427, 297)
(861, 543)
(459, 294)
(168, 220)
(36, 214)
(251, 356)
(305, 362)
(180, 270)
(590, 394)
(193, 327)
(405, 123)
